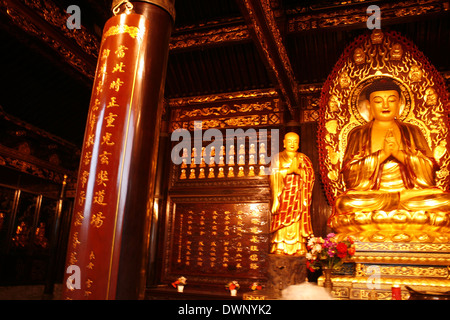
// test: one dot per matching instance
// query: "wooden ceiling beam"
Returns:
(303, 19)
(47, 22)
(262, 25)
(224, 32)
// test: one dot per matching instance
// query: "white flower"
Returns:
(317, 248)
(309, 256)
(311, 242)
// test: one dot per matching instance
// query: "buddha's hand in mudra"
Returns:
(392, 146)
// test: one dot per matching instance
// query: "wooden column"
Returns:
(108, 244)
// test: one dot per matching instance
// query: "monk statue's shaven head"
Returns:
(291, 142)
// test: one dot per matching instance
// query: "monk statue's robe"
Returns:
(291, 198)
(389, 185)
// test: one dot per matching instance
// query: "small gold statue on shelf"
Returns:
(262, 159)
(221, 174)
(241, 149)
(262, 148)
(231, 151)
(262, 171)
(192, 174)
(230, 172)
(183, 174)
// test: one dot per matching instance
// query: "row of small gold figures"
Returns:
(252, 150)
(221, 173)
(241, 161)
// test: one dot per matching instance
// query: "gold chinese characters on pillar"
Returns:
(100, 178)
(291, 182)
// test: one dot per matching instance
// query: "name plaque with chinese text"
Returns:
(220, 240)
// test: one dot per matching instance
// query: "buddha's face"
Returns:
(291, 141)
(384, 105)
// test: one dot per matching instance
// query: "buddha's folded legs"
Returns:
(354, 201)
(411, 200)
(431, 200)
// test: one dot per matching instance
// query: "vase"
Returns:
(327, 284)
(180, 288)
(233, 292)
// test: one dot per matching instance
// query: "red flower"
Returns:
(308, 266)
(342, 250)
(351, 251)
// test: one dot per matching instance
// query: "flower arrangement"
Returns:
(328, 252)
(233, 285)
(255, 286)
(181, 281)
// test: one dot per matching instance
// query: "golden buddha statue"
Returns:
(389, 171)
(291, 182)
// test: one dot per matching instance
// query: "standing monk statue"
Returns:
(291, 183)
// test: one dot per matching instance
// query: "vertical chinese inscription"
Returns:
(99, 180)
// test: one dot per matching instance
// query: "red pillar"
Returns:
(108, 241)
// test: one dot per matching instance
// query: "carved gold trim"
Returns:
(53, 15)
(240, 95)
(402, 247)
(227, 109)
(404, 258)
(238, 109)
(403, 271)
(210, 37)
(357, 288)
(132, 31)
(74, 59)
(357, 15)
(221, 123)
